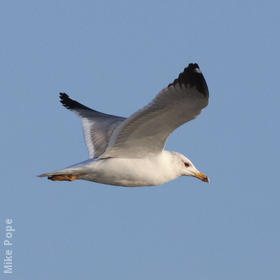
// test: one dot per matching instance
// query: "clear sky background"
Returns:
(114, 56)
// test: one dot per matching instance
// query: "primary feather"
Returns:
(98, 127)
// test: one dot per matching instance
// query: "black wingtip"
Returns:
(69, 103)
(65, 100)
(192, 76)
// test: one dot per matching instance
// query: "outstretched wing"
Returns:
(146, 131)
(98, 127)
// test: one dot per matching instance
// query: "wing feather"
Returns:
(146, 131)
(98, 127)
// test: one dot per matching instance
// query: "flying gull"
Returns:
(130, 151)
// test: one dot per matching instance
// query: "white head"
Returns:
(187, 168)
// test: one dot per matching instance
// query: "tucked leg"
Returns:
(62, 177)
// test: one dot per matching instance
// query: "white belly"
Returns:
(131, 172)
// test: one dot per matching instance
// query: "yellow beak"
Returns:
(202, 177)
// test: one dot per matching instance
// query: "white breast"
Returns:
(152, 170)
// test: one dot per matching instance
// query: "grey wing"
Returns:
(146, 131)
(98, 127)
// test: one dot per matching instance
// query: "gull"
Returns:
(130, 151)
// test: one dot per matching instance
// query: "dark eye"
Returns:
(187, 164)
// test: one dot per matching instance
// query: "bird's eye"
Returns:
(187, 164)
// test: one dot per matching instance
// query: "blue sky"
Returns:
(115, 56)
